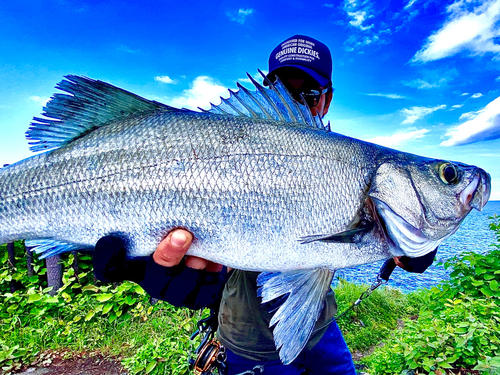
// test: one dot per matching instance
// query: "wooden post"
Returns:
(29, 261)
(12, 264)
(54, 273)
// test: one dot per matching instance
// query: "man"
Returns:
(304, 65)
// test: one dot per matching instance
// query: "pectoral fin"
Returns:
(294, 320)
(348, 236)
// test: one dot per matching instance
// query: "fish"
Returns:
(261, 183)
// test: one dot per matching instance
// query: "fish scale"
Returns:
(292, 200)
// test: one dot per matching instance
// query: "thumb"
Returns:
(172, 248)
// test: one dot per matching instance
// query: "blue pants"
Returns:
(330, 356)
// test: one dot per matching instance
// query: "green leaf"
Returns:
(129, 300)
(90, 315)
(91, 288)
(150, 367)
(52, 299)
(480, 271)
(107, 308)
(34, 297)
(139, 290)
(104, 297)
(486, 291)
(461, 341)
(494, 285)
(445, 364)
(112, 317)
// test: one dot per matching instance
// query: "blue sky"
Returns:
(415, 75)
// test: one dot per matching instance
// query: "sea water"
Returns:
(473, 235)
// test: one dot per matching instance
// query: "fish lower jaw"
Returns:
(403, 238)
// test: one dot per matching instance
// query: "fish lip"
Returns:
(404, 237)
(477, 193)
(468, 194)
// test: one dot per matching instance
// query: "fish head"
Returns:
(420, 202)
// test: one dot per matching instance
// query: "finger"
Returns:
(398, 262)
(196, 263)
(172, 249)
(214, 267)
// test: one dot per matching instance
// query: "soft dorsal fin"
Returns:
(273, 103)
(91, 104)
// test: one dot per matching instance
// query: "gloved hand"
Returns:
(164, 275)
(416, 265)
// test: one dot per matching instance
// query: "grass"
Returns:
(376, 317)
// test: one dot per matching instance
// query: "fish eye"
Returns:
(448, 173)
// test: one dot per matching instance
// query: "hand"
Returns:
(398, 262)
(194, 283)
(418, 264)
(173, 248)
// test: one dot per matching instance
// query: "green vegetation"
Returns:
(86, 316)
(376, 317)
(456, 326)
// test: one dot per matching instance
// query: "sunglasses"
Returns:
(311, 96)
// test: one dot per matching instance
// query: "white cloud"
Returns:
(467, 116)
(399, 138)
(482, 125)
(476, 95)
(409, 5)
(127, 49)
(389, 96)
(358, 18)
(465, 94)
(240, 16)
(420, 84)
(39, 99)
(203, 91)
(456, 106)
(416, 113)
(464, 30)
(165, 79)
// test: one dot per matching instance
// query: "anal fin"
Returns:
(294, 320)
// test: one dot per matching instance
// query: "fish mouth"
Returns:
(477, 193)
(403, 238)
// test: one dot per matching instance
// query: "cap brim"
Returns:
(323, 81)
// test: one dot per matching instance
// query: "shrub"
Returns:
(459, 326)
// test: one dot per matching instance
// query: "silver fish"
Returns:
(258, 180)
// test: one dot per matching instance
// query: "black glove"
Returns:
(419, 264)
(415, 265)
(179, 285)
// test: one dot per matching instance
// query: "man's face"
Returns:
(297, 82)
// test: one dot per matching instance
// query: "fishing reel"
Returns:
(210, 354)
(211, 357)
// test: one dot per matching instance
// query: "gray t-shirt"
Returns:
(244, 322)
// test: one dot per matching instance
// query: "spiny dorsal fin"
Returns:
(273, 103)
(91, 104)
